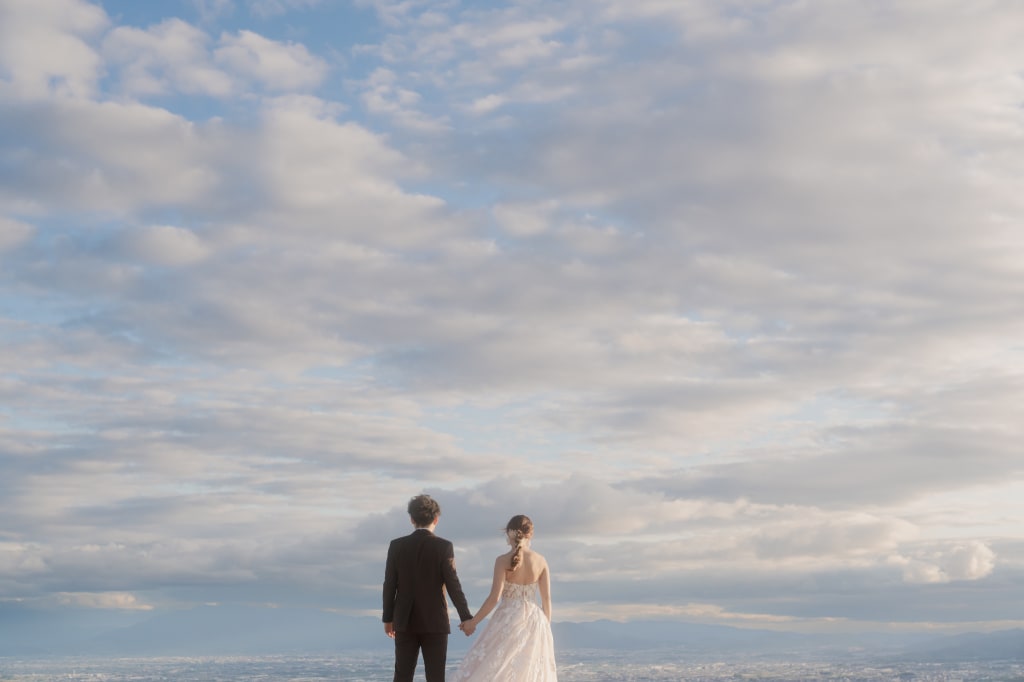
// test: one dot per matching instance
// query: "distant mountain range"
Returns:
(1003, 645)
(239, 630)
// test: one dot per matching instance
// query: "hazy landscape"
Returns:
(584, 666)
(224, 630)
(234, 643)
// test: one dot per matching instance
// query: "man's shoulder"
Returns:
(437, 543)
(428, 539)
(399, 541)
(420, 537)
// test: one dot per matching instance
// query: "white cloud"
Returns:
(694, 612)
(19, 560)
(45, 49)
(14, 233)
(168, 245)
(962, 561)
(524, 220)
(382, 95)
(102, 600)
(170, 57)
(210, 10)
(487, 103)
(395, 13)
(342, 176)
(271, 8)
(114, 156)
(277, 66)
(858, 534)
(175, 57)
(970, 562)
(699, 21)
(515, 44)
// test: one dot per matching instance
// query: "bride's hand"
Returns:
(468, 626)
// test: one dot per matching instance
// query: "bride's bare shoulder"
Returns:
(536, 561)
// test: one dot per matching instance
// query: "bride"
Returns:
(516, 645)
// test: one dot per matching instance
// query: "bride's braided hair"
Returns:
(519, 529)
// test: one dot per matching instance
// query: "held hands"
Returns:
(468, 626)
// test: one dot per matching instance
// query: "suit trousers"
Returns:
(435, 655)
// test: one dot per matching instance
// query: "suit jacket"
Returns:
(419, 569)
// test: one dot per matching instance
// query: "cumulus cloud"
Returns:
(383, 95)
(13, 233)
(102, 600)
(270, 8)
(962, 561)
(210, 10)
(172, 56)
(524, 220)
(487, 104)
(842, 536)
(277, 66)
(885, 466)
(168, 245)
(115, 156)
(45, 47)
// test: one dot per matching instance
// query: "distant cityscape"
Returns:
(232, 644)
(255, 632)
(573, 667)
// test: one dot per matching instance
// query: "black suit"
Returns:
(420, 568)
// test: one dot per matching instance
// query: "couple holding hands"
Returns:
(516, 644)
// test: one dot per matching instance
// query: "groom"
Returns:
(420, 567)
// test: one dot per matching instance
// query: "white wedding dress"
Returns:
(516, 644)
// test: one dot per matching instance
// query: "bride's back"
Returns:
(529, 571)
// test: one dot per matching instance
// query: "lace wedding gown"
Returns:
(516, 644)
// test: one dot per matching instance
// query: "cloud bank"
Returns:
(727, 297)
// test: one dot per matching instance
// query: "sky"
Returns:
(727, 296)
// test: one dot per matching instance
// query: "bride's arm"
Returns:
(496, 586)
(545, 592)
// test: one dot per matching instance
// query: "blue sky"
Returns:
(727, 296)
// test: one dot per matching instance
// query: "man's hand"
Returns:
(389, 630)
(468, 626)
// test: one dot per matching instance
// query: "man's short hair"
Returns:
(423, 509)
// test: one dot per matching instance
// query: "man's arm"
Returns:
(390, 591)
(452, 584)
